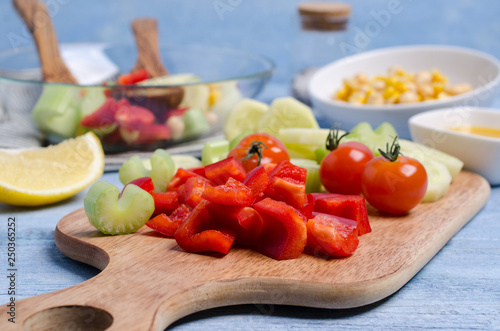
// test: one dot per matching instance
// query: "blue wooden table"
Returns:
(458, 289)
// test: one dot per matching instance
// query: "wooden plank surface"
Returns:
(149, 282)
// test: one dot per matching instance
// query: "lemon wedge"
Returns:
(39, 176)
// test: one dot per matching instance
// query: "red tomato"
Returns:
(394, 187)
(341, 169)
(274, 153)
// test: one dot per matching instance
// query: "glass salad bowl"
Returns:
(191, 101)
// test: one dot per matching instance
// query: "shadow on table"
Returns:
(295, 312)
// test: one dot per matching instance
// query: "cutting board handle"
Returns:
(146, 37)
(37, 18)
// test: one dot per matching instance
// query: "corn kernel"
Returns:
(437, 88)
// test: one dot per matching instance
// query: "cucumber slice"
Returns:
(176, 79)
(301, 151)
(302, 136)
(287, 113)
(195, 123)
(234, 142)
(374, 139)
(185, 161)
(92, 100)
(243, 117)
(453, 164)
(438, 177)
(57, 110)
(214, 151)
(313, 182)
(160, 167)
(113, 215)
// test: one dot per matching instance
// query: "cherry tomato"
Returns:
(341, 169)
(394, 186)
(272, 152)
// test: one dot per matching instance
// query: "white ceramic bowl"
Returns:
(480, 154)
(460, 65)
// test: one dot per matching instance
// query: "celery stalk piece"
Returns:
(57, 110)
(214, 151)
(234, 142)
(161, 170)
(374, 139)
(185, 162)
(113, 215)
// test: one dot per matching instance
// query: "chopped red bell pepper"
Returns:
(198, 170)
(133, 77)
(269, 167)
(165, 202)
(167, 225)
(146, 183)
(257, 180)
(194, 187)
(103, 116)
(348, 206)
(233, 193)
(196, 235)
(285, 169)
(244, 221)
(284, 234)
(332, 235)
(180, 177)
(221, 171)
(288, 190)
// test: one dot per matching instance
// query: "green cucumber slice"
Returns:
(214, 151)
(287, 113)
(303, 136)
(113, 215)
(297, 151)
(453, 164)
(313, 182)
(438, 176)
(243, 117)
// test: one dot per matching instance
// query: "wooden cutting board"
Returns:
(148, 282)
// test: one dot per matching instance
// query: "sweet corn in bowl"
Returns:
(398, 86)
(393, 84)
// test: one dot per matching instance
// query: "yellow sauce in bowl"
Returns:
(477, 130)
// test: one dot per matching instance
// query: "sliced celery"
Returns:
(214, 151)
(313, 182)
(195, 123)
(239, 138)
(113, 215)
(374, 139)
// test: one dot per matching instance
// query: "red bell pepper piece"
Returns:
(180, 177)
(146, 183)
(284, 234)
(133, 118)
(348, 206)
(133, 77)
(257, 180)
(308, 208)
(167, 225)
(165, 202)
(194, 187)
(289, 191)
(199, 171)
(195, 234)
(233, 193)
(103, 116)
(244, 221)
(221, 171)
(285, 170)
(269, 167)
(332, 235)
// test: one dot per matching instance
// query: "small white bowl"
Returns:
(460, 65)
(479, 153)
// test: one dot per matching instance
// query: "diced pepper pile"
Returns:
(213, 207)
